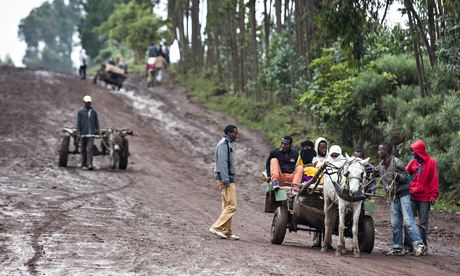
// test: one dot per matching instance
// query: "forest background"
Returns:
(307, 68)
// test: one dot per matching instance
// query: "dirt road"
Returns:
(153, 218)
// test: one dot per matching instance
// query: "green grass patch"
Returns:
(273, 120)
(443, 204)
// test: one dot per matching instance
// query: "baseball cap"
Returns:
(87, 99)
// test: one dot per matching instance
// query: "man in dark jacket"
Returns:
(394, 178)
(281, 165)
(87, 124)
(424, 187)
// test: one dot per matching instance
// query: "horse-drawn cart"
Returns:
(305, 211)
(114, 142)
(110, 74)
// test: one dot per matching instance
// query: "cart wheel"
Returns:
(279, 225)
(270, 202)
(64, 151)
(367, 235)
(124, 154)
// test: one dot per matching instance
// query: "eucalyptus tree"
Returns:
(48, 32)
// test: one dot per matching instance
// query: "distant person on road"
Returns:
(424, 187)
(224, 167)
(394, 178)
(87, 124)
(153, 50)
(83, 64)
(111, 61)
(160, 68)
(165, 52)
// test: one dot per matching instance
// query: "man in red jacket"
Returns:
(424, 187)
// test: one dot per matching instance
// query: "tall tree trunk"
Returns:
(418, 22)
(211, 53)
(183, 43)
(420, 70)
(267, 16)
(286, 12)
(441, 13)
(242, 45)
(309, 29)
(254, 54)
(197, 55)
(232, 43)
(431, 6)
(278, 15)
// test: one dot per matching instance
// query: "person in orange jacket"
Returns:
(424, 188)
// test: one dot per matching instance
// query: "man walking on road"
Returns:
(83, 64)
(224, 167)
(87, 124)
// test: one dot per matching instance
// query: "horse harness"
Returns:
(343, 190)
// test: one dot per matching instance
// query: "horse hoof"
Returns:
(357, 255)
(344, 251)
(337, 253)
(323, 249)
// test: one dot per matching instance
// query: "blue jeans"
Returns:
(401, 214)
(422, 209)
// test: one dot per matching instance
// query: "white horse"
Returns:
(350, 179)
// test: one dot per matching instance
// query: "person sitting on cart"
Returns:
(371, 183)
(281, 166)
(307, 153)
(321, 149)
(122, 64)
(87, 124)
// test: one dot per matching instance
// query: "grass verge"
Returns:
(273, 120)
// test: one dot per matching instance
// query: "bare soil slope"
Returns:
(154, 217)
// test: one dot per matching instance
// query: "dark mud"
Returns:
(153, 218)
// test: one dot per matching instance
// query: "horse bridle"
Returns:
(338, 171)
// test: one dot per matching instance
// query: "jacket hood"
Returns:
(419, 148)
(318, 140)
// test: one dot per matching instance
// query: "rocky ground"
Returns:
(153, 218)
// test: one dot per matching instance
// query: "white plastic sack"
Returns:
(159, 76)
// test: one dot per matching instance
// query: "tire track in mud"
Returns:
(58, 216)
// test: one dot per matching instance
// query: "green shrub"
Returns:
(403, 66)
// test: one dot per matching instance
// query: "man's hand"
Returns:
(226, 184)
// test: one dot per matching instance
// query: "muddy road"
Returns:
(153, 218)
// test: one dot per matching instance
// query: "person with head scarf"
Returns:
(307, 153)
(321, 148)
(335, 156)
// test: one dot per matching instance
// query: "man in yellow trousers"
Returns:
(224, 169)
